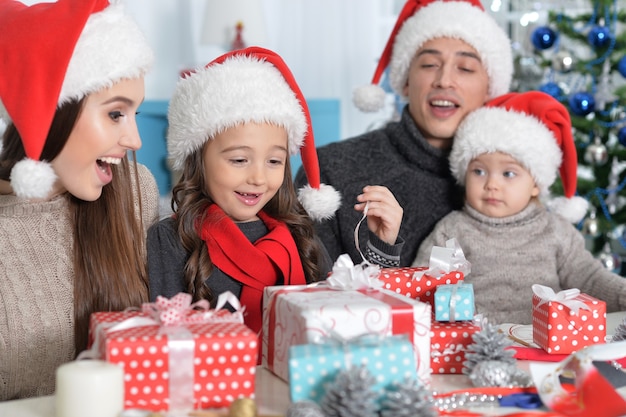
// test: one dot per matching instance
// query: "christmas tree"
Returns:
(583, 56)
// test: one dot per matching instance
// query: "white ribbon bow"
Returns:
(347, 276)
(565, 297)
(445, 260)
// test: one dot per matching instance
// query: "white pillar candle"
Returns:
(91, 388)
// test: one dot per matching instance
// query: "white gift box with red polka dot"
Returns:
(560, 330)
(296, 315)
(224, 360)
(414, 283)
(448, 343)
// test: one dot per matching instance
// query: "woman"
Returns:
(73, 207)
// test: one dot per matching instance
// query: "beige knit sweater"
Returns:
(36, 292)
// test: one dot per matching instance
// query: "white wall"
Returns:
(331, 46)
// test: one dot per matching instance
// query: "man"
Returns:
(446, 58)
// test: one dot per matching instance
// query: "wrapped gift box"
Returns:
(224, 359)
(454, 302)
(416, 282)
(567, 324)
(449, 342)
(296, 315)
(312, 366)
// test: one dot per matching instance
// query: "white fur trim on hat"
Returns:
(574, 209)
(32, 179)
(495, 129)
(454, 19)
(110, 48)
(321, 203)
(240, 90)
(369, 98)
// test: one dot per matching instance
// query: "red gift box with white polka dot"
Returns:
(409, 282)
(224, 362)
(559, 330)
(448, 342)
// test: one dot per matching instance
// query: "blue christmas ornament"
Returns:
(599, 36)
(552, 89)
(621, 66)
(543, 37)
(582, 103)
(621, 136)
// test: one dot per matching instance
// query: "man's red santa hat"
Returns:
(423, 20)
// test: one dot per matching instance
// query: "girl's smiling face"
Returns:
(244, 167)
(105, 130)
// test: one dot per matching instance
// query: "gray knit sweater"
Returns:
(508, 255)
(398, 157)
(36, 289)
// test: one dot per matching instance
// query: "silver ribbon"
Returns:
(565, 297)
(444, 260)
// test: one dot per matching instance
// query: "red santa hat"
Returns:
(536, 130)
(243, 86)
(53, 53)
(422, 20)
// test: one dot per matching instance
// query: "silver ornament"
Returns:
(563, 61)
(591, 228)
(610, 260)
(498, 374)
(304, 409)
(596, 153)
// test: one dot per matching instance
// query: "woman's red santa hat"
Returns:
(536, 130)
(423, 20)
(252, 85)
(53, 53)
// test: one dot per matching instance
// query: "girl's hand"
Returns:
(384, 213)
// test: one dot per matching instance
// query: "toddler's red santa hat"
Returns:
(53, 53)
(243, 86)
(422, 20)
(536, 130)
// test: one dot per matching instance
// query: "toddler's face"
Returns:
(244, 167)
(498, 186)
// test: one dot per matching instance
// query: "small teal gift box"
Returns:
(454, 302)
(313, 366)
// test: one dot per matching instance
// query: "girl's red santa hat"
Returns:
(53, 53)
(536, 130)
(423, 20)
(251, 85)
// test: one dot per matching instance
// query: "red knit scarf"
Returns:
(256, 265)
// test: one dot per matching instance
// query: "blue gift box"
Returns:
(454, 302)
(312, 366)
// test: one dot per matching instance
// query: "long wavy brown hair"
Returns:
(190, 202)
(109, 252)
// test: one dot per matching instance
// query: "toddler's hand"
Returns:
(384, 213)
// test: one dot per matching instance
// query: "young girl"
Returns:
(238, 222)
(507, 155)
(72, 215)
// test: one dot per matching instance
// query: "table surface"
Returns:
(272, 394)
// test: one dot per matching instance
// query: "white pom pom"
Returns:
(369, 98)
(32, 179)
(321, 203)
(573, 209)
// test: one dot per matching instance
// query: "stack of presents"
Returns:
(399, 322)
